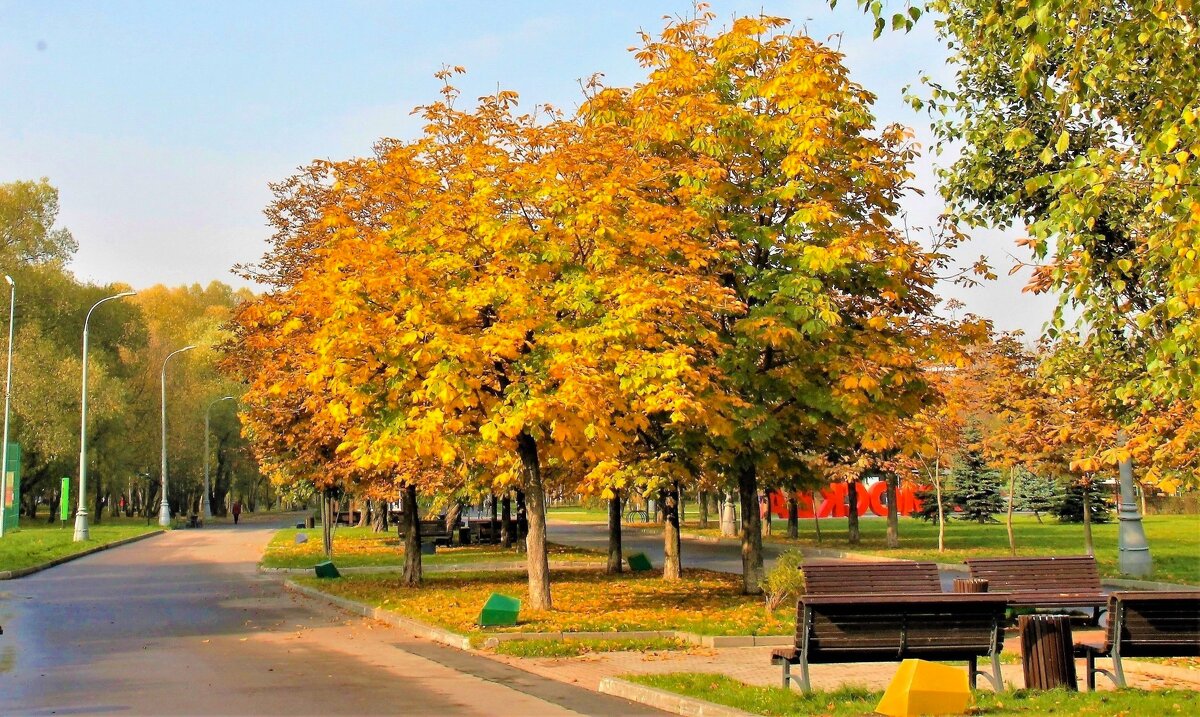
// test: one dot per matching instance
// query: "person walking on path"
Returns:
(236, 510)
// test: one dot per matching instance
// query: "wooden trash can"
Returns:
(1046, 652)
(970, 585)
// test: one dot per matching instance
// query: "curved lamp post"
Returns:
(12, 305)
(164, 509)
(81, 515)
(205, 506)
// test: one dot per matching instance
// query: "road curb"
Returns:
(22, 572)
(446, 568)
(420, 629)
(666, 701)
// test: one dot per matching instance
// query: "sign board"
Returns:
(64, 500)
(12, 487)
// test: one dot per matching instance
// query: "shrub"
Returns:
(784, 581)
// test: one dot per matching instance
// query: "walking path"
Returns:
(183, 623)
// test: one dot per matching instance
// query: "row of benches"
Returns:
(898, 611)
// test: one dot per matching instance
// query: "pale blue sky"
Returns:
(163, 122)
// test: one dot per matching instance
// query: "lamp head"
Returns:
(8, 279)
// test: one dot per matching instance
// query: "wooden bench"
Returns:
(1054, 582)
(870, 578)
(1145, 624)
(895, 627)
(433, 531)
(347, 517)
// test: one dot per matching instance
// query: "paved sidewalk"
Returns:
(752, 666)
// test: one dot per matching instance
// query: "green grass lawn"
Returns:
(577, 514)
(776, 701)
(1174, 541)
(703, 601)
(37, 542)
(362, 547)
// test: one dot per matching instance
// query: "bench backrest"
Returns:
(870, 578)
(875, 628)
(1155, 624)
(1058, 574)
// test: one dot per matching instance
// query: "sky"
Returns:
(163, 123)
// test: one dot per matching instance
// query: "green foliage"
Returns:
(927, 499)
(1070, 510)
(976, 485)
(28, 211)
(785, 581)
(1036, 494)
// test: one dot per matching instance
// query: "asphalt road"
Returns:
(184, 624)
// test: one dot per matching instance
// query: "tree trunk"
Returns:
(615, 560)
(793, 507)
(937, 490)
(1012, 489)
(1088, 545)
(522, 517)
(535, 541)
(495, 522)
(752, 551)
(816, 517)
(893, 512)
(364, 513)
(453, 518)
(327, 518)
(506, 526)
(412, 538)
(99, 511)
(379, 522)
(702, 508)
(672, 565)
(852, 512)
(765, 515)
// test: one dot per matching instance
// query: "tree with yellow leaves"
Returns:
(773, 145)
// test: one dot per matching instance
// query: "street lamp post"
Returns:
(81, 515)
(164, 509)
(205, 506)
(12, 306)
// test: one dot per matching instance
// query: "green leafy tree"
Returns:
(28, 212)
(1081, 120)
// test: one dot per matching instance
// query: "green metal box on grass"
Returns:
(327, 570)
(638, 562)
(499, 610)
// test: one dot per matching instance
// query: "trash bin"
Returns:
(970, 585)
(1046, 652)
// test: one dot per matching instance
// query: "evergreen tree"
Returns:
(927, 499)
(1036, 494)
(977, 485)
(1070, 510)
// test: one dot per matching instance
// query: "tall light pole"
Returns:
(12, 306)
(205, 506)
(81, 515)
(164, 509)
